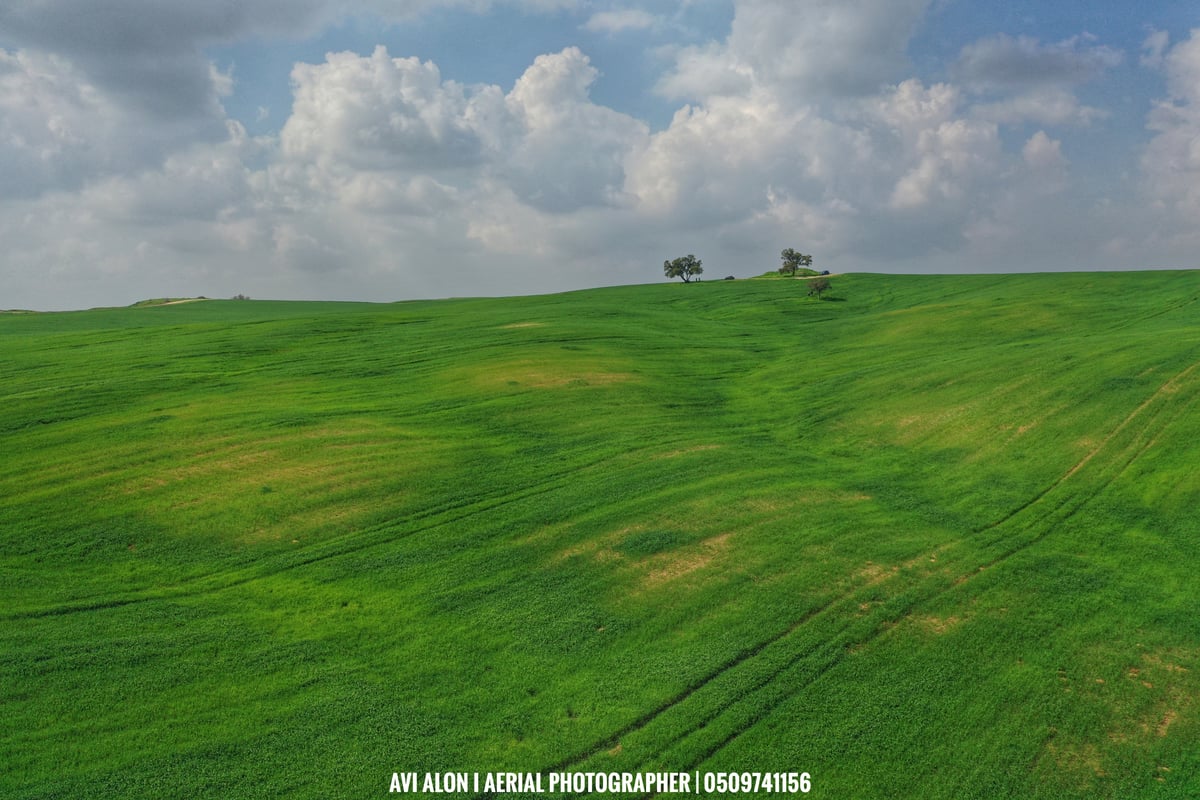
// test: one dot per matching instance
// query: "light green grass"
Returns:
(935, 537)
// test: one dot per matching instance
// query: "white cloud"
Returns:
(570, 152)
(378, 112)
(1023, 80)
(1045, 105)
(1171, 161)
(1045, 162)
(58, 129)
(910, 108)
(140, 66)
(788, 137)
(1005, 62)
(622, 20)
(544, 141)
(806, 49)
(1182, 65)
(951, 153)
(1043, 153)
(1153, 47)
(804, 126)
(702, 71)
(899, 173)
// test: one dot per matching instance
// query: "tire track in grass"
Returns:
(1170, 386)
(746, 656)
(809, 661)
(838, 608)
(1170, 309)
(1044, 524)
(765, 692)
(681, 697)
(1159, 418)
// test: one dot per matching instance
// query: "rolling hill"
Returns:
(934, 536)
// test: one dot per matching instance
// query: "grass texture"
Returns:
(935, 536)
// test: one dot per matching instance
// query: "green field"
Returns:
(932, 537)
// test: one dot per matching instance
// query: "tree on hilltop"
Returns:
(685, 267)
(793, 261)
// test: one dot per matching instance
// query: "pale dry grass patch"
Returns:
(872, 574)
(1167, 699)
(299, 526)
(938, 625)
(601, 548)
(548, 375)
(1081, 761)
(269, 489)
(684, 451)
(666, 567)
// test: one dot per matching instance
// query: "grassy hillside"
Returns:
(936, 537)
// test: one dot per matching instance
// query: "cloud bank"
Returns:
(122, 176)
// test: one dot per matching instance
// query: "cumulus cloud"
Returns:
(378, 112)
(1171, 161)
(140, 66)
(1045, 162)
(785, 133)
(951, 154)
(788, 132)
(1048, 105)
(384, 171)
(545, 140)
(147, 53)
(570, 152)
(59, 129)
(807, 49)
(1026, 80)
(804, 126)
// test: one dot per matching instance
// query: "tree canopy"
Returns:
(793, 261)
(685, 267)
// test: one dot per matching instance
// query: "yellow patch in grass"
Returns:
(693, 449)
(872, 574)
(669, 566)
(938, 625)
(539, 374)
(1081, 762)
(294, 483)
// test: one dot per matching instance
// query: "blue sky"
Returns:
(389, 150)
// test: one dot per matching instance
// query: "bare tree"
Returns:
(818, 286)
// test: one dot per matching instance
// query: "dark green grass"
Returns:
(937, 538)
